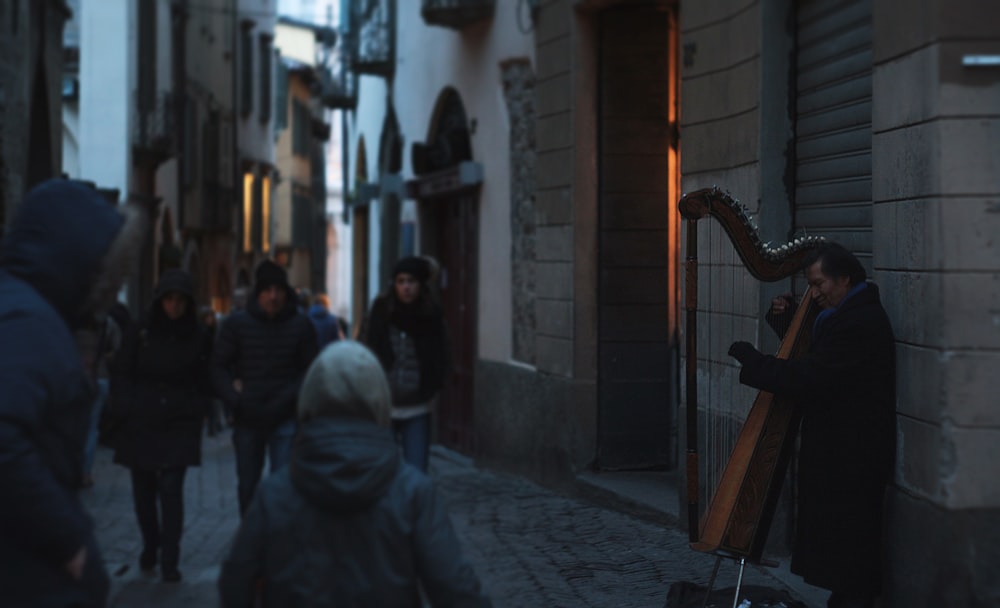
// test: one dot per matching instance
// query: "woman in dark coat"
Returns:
(406, 330)
(160, 381)
(845, 386)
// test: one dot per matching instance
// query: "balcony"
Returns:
(456, 14)
(374, 53)
(337, 87)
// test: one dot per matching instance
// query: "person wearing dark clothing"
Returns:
(406, 330)
(98, 345)
(258, 363)
(348, 523)
(61, 263)
(326, 323)
(214, 416)
(845, 386)
(161, 396)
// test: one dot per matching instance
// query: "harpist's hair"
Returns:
(836, 261)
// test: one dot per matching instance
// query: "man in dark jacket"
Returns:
(845, 386)
(60, 264)
(258, 363)
(349, 523)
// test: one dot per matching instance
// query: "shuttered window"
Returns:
(266, 73)
(246, 68)
(833, 164)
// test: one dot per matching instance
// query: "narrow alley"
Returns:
(530, 546)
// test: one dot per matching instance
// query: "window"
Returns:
(281, 97)
(301, 122)
(147, 57)
(266, 76)
(246, 69)
(265, 223)
(248, 191)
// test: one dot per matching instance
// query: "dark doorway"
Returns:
(637, 293)
(449, 220)
(456, 222)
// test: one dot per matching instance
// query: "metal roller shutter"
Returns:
(833, 164)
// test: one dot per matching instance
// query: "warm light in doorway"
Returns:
(247, 212)
(265, 223)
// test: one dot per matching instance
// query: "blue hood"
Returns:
(319, 312)
(58, 241)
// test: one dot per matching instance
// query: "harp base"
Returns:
(711, 582)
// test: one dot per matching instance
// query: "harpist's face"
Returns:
(828, 292)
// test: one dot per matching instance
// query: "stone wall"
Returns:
(554, 342)
(519, 93)
(936, 158)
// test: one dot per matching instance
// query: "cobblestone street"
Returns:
(530, 546)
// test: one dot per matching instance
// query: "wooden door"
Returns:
(456, 226)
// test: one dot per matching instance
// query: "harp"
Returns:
(738, 519)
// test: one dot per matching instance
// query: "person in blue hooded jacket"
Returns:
(327, 325)
(61, 264)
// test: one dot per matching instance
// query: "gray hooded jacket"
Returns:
(347, 523)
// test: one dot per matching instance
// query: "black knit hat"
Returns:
(175, 280)
(268, 273)
(418, 267)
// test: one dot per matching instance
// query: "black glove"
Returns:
(743, 352)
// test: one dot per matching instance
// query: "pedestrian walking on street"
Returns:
(846, 388)
(98, 344)
(61, 263)
(214, 419)
(326, 323)
(349, 523)
(258, 362)
(406, 330)
(162, 392)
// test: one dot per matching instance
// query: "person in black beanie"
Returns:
(406, 331)
(161, 394)
(259, 360)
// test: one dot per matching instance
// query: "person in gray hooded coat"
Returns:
(347, 523)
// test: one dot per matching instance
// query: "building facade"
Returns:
(543, 147)
(172, 109)
(874, 125)
(300, 221)
(31, 69)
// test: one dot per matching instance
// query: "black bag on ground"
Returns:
(685, 594)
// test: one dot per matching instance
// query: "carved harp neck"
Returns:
(764, 262)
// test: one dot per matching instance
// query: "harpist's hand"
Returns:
(743, 352)
(782, 303)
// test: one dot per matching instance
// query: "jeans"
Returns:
(158, 497)
(95, 417)
(413, 435)
(252, 445)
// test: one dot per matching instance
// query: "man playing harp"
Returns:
(845, 387)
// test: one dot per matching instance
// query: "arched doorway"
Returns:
(449, 228)
(390, 163)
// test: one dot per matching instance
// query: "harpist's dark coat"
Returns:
(846, 387)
